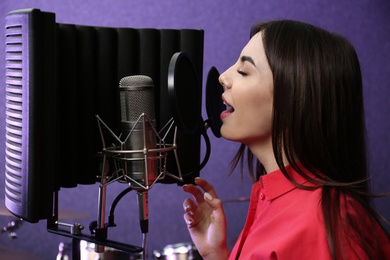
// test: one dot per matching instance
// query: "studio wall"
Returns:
(226, 25)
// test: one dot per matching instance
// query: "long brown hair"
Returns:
(318, 120)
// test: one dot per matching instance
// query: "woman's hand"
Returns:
(206, 220)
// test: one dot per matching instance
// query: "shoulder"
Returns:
(359, 232)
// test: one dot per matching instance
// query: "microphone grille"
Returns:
(136, 97)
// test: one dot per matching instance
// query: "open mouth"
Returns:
(229, 109)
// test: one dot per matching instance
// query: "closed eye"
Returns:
(241, 73)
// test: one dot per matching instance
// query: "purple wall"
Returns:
(364, 22)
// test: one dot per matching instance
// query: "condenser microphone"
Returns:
(137, 123)
(137, 126)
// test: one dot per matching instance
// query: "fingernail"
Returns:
(208, 196)
(186, 206)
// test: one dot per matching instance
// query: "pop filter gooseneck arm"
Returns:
(207, 154)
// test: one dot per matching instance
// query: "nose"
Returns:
(223, 79)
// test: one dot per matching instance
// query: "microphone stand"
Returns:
(99, 234)
(121, 157)
(101, 231)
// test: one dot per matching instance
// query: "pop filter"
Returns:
(183, 94)
(214, 103)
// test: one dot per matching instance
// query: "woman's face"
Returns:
(249, 94)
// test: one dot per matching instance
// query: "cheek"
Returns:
(257, 104)
(251, 122)
(257, 114)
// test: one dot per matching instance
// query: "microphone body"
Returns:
(136, 99)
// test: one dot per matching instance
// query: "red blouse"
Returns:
(285, 222)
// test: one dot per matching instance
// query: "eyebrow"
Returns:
(247, 58)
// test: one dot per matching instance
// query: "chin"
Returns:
(229, 135)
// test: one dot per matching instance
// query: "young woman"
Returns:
(296, 105)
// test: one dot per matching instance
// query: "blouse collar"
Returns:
(275, 184)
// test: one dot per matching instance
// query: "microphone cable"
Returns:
(111, 217)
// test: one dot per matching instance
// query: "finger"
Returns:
(218, 215)
(189, 220)
(213, 202)
(189, 206)
(194, 191)
(206, 186)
